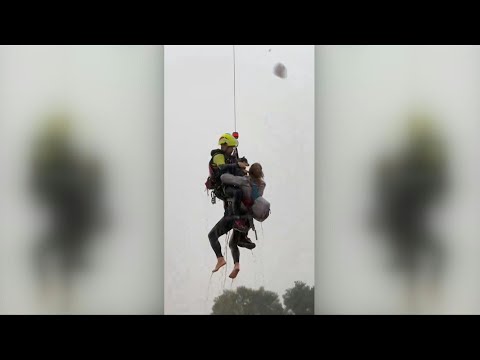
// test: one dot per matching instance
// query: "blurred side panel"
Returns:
(82, 179)
(397, 166)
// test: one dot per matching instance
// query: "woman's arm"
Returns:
(230, 179)
(261, 188)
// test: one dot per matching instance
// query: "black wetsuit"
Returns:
(221, 228)
(227, 221)
(233, 243)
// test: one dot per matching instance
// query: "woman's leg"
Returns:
(235, 254)
(221, 228)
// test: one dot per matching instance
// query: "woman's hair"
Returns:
(256, 171)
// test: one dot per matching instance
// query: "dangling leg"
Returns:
(235, 254)
(221, 228)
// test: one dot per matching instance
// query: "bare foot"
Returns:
(234, 272)
(220, 262)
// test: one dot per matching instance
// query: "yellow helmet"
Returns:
(228, 139)
(58, 124)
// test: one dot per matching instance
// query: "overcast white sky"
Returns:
(275, 120)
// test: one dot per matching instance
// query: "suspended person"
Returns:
(253, 187)
(224, 161)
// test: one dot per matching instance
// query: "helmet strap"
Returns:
(235, 153)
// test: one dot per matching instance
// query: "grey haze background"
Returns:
(275, 120)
